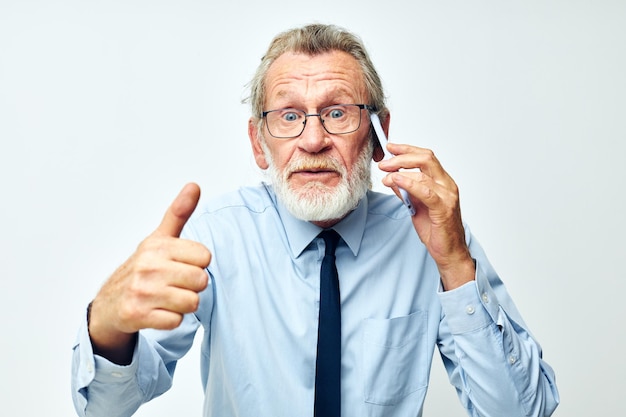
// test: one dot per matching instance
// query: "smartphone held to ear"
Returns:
(382, 138)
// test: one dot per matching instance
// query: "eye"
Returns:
(336, 113)
(290, 116)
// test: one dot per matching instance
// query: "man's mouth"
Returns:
(314, 174)
(314, 170)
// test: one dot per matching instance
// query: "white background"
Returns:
(107, 108)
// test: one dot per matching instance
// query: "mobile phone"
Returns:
(382, 139)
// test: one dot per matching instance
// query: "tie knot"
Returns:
(331, 238)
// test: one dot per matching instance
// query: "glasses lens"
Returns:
(285, 123)
(341, 119)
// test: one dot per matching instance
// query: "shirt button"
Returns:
(89, 367)
(117, 374)
(470, 309)
(485, 297)
(512, 359)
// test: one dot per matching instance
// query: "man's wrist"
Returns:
(115, 346)
(458, 274)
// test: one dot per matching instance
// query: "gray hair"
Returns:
(313, 40)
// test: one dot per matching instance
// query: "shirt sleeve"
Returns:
(102, 388)
(491, 357)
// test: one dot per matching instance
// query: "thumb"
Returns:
(179, 211)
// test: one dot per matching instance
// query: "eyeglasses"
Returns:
(339, 119)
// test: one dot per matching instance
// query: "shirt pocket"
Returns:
(395, 357)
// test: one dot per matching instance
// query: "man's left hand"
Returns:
(437, 220)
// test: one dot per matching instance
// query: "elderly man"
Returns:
(317, 296)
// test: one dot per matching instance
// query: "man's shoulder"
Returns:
(231, 213)
(386, 205)
(255, 199)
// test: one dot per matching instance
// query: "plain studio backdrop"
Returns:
(108, 108)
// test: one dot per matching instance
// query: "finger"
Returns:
(408, 157)
(444, 200)
(162, 319)
(151, 272)
(179, 211)
(168, 309)
(188, 277)
(178, 300)
(192, 253)
(159, 307)
(175, 249)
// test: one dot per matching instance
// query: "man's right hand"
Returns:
(154, 288)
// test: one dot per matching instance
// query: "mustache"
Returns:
(314, 163)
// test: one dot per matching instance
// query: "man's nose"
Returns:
(314, 137)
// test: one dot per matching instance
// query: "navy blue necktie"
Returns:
(328, 366)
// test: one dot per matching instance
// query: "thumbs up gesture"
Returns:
(155, 287)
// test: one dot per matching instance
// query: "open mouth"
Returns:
(314, 169)
(325, 169)
(322, 175)
(315, 173)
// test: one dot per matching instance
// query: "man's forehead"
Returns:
(335, 72)
(310, 64)
(335, 91)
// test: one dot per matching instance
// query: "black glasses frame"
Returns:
(319, 115)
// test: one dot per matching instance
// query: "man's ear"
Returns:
(255, 142)
(378, 154)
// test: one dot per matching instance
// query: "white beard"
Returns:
(316, 201)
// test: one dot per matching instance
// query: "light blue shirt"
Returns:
(260, 315)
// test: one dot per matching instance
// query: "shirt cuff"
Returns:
(110, 373)
(94, 367)
(471, 306)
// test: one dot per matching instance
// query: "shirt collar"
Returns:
(301, 233)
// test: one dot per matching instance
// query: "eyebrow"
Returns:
(329, 98)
